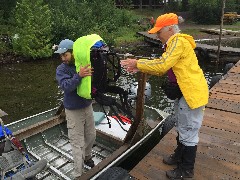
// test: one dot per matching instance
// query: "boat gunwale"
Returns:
(32, 116)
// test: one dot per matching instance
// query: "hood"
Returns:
(189, 38)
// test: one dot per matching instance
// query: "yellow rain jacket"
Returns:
(81, 51)
(180, 56)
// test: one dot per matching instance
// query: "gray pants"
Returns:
(188, 122)
(82, 135)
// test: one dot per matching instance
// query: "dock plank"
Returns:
(222, 116)
(226, 96)
(220, 142)
(215, 123)
(225, 88)
(229, 106)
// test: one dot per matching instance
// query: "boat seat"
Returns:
(13, 161)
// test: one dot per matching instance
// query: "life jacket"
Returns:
(81, 51)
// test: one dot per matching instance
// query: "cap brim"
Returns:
(2, 113)
(154, 30)
(61, 51)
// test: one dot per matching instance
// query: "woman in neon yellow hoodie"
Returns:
(180, 62)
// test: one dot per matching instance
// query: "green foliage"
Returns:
(209, 12)
(41, 23)
(6, 7)
(1, 16)
(185, 5)
(33, 29)
(70, 19)
(3, 47)
(75, 18)
(206, 12)
(127, 35)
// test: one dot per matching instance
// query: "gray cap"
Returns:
(64, 46)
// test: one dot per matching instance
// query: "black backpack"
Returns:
(106, 67)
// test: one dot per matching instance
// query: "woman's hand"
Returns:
(130, 65)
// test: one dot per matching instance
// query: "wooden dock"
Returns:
(218, 154)
(217, 31)
(203, 51)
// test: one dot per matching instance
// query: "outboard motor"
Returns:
(132, 95)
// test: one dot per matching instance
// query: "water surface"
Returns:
(29, 88)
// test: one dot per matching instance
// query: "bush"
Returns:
(209, 12)
(33, 29)
(70, 19)
(80, 18)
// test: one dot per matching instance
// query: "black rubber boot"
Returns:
(185, 169)
(176, 157)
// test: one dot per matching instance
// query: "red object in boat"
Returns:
(123, 118)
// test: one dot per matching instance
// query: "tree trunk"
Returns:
(150, 3)
(165, 5)
(220, 34)
(140, 5)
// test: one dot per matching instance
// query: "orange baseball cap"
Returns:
(164, 20)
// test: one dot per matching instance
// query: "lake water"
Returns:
(29, 88)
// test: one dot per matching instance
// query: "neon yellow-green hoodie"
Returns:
(180, 56)
(81, 52)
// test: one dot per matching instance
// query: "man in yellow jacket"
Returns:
(179, 61)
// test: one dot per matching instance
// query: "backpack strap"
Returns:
(114, 60)
(124, 106)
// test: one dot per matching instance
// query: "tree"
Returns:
(209, 12)
(6, 8)
(33, 29)
(221, 25)
(71, 18)
(140, 4)
(184, 5)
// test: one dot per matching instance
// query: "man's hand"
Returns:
(85, 71)
(130, 65)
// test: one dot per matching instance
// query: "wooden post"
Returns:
(140, 5)
(220, 34)
(133, 133)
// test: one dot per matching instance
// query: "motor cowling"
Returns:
(132, 95)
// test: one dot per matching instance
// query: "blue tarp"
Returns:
(98, 44)
(8, 131)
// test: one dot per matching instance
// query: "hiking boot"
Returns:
(179, 173)
(173, 159)
(89, 163)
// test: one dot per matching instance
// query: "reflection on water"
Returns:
(30, 88)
